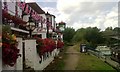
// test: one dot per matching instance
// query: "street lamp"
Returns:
(47, 16)
(31, 26)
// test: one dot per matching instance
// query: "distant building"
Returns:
(60, 27)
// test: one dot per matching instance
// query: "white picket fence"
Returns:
(32, 58)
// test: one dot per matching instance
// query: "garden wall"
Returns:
(32, 59)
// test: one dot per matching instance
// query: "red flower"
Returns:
(10, 52)
(5, 14)
(60, 44)
(45, 45)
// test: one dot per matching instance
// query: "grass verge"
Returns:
(88, 62)
(77, 47)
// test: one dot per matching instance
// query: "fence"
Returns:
(107, 59)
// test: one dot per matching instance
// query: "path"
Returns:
(72, 58)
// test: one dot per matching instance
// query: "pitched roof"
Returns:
(62, 22)
(36, 7)
(49, 14)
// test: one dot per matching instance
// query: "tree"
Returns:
(93, 36)
(116, 31)
(108, 33)
(79, 35)
(68, 34)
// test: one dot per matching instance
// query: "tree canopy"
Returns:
(91, 35)
(68, 34)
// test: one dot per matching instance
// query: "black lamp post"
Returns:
(47, 16)
(31, 26)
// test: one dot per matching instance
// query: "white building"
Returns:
(12, 15)
(46, 19)
(59, 29)
(40, 25)
(17, 14)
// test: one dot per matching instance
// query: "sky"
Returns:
(82, 13)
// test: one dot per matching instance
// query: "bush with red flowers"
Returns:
(10, 52)
(60, 44)
(18, 20)
(39, 46)
(45, 45)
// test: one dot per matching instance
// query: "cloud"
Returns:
(84, 14)
(51, 10)
(112, 18)
(40, 0)
(27, 1)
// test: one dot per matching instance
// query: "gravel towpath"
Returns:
(72, 58)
